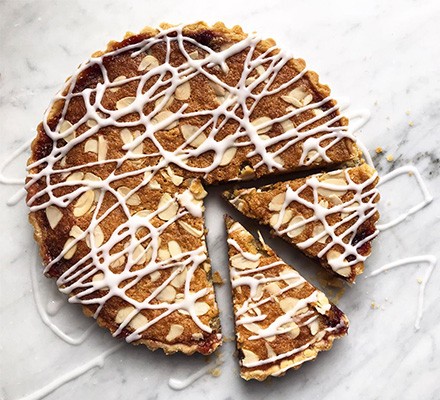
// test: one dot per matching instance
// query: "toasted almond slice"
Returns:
(179, 279)
(288, 303)
(102, 148)
(183, 91)
(163, 254)
(298, 97)
(197, 190)
(318, 229)
(314, 327)
(228, 156)
(53, 215)
(274, 219)
(238, 261)
(190, 229)
(322, 305)
(171, 207)
(91, 146)
(270, 352)
(126, 136)
(71, 248)
(194, 55)
(148, 63)
(133, 200)
(163, 115)
(174, 332)
(89, 176)
(84, 203)
(138, 321)
(91, 123)
(296, 231)
(76, 231)
(176, 179)
(174, 248)
(123, 313)
(340, 267)
(201, 308)
(218, 89)
(75, 176)
(125, 102)
(277, 202)
(252, 327)
(159, 101)
(140, 256)
(287, 125)
(333, 181)
(98, 236)
(98, 277)
(272, 288)
(249, 357)
(65, 125)
(260, 121)
(117, 79)
(155, 185)
(154, 276)
(188, 131)
(293, 329)
(168, 294)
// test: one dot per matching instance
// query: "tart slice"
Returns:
(331, 217)
(281, 319)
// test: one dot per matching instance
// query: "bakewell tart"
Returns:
(116, 172)
(331, 216)
(281, 320)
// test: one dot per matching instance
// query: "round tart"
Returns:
(116, 174)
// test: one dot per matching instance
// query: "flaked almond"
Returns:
(148, 63)
(91, 123)
(218, 89)
(140, 256)
(249, 357)
(188, 131)
(252, 327)
(337, 191)
(65, 125)
(133, 200)
(89, 176)
(277, 202)
(180, 279)
(102, 148)
(123, 313)
(118, 262)
(260, 121)
(155, 185)
(138, 321)
(279, 160)
(322, 305)
(53, 215)
(176, 179)
(75, 176)
(183, 91)
(312, 156)
(171, 207)
(125, 102)
(84, 203)
(168, 103)
(91, 146)
(98, 277)
(98, 237)
(314, 327)
(174, 332)
(247, 172)
(116, 80)
(168, 294)
(272, 288)
(194, 55)
(154, 276)
(274, 219)
(174, 248)
(288, 303)
(298, 97)
(126, 136)
(294, 232)
(291, 328)
(197, 190)
(162, 116)
(76, 231)
(190, 229)
(201, 308)
(70, 247)
(339, 265)
(228, 156)
(317, 230)
(238, 261)
(287, 125)
(269, 350)
(163, 254)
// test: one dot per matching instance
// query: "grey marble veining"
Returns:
(383, 56)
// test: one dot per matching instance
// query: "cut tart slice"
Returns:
(281, 319)
(331, 216)
(117, 166)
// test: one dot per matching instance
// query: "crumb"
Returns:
(407, 112)
(419, 281)
(410, 173)
(227, 339)
(217, 278)
(379, 150)
(216, 372)
(390, 158)
(376, 103)
(410, 123)
(374, 306)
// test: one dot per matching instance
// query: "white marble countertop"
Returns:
(383, 56)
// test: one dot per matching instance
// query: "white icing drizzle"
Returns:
(169, 79)
(44, 315)
(432, 262)
(180, 384)
(95, 362)
(303, 312)
(427, 197)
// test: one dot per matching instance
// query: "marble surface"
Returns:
(383, 57)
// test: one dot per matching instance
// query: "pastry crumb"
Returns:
(216, 372)
(411, 123)
(390, 158)
(374, 306)
(407, 112)
(217, 278)
(379, 150)
(419, 281)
